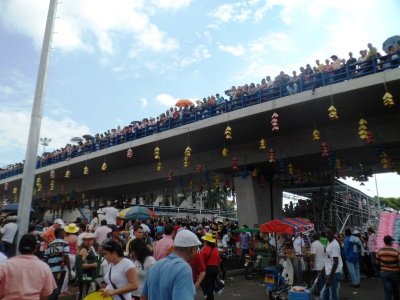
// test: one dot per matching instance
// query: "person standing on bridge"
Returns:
(389, 260)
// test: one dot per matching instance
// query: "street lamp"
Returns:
(45, 142)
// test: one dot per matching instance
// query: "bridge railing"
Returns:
(347, 72)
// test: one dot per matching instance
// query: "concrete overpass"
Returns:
(299, 115)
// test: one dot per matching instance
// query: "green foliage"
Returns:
(390, 202)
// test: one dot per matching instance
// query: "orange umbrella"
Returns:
(183, 103)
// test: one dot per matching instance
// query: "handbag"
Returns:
(113, 285)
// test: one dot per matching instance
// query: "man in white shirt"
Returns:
(298, 262)
(333, 268)
(101, 232)
(317, 260)
(111, 215)
(8, 233)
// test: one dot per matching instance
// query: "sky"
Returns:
(113, 62)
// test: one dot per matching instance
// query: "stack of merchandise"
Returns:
(389, 224)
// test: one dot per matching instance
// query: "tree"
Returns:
(390, 202)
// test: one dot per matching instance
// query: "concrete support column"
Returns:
(254, 202)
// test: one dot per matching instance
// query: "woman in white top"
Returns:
(121, 276)
(95, 221)
(143, 261)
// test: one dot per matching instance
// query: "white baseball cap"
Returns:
(60, 222)
(186, 238)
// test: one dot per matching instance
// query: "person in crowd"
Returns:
(116, 236)
(95, 222)
(298, 261)
(372, 251)
(102, 232)
(372, 52)
(293, 84)
(317, 260)
(212, 260)
(121, 277)
(25, 276)
(352, 249)
(143, 260)
(333, 268)
(389, 261)
(8, 232)
(138, 233)
(198, 269)
(57, 257)
(165, 245)
(88, 255)
(48, 236)
(71, 239)
(171, 277)
(244, 245)
(323, 239)
(110, 214)
(345, 269)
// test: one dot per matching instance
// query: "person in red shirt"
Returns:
(211, 258)
(198, 269)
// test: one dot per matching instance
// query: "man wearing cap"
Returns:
(389, 260)
(171, 277)
(48, 236)
(8, 231)
(25, 276)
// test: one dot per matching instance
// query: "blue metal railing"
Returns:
(347, 72)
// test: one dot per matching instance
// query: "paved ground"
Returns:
(237, 287)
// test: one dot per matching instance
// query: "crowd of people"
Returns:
(334, 69)
(167, 258)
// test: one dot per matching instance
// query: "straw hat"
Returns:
(71, 228)
(208, 237)
(88, 236)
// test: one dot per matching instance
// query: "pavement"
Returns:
(237, 287)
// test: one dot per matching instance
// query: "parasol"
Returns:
(76, 139)
(183, 103)
(13, 207)
(137, 212)
(134, 122)
(88, 137)
(392, 41)
(96, 296)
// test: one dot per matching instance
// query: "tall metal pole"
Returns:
(377, 194)
(25, 201)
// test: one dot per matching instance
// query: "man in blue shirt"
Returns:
(171, 277)
(352, 249)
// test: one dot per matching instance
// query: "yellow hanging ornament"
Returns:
(216, 182)
(156, 153)
(362, 129)
(384, 160)
(316, 135)
(186, 162)
(15, 190)
(188, 151)
(388, 99)
(159, 166)
(67, 174)
(332, 112)
(263, 144)
(338, 164)
(38, 181)
(290, 169)
(228, 133)
(86, 170)
(104, 166)
(52, 184)
(225, 152)
(254, 173)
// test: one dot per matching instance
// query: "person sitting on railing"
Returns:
(293, 84)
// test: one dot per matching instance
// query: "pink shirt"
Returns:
(101, 234)
(25, 277)
(372, 243)
(163, 247)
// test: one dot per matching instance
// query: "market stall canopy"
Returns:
(13, 207)
(287, 225)
(137, 213)
(244, 229)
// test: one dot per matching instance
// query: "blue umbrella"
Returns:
(13, 207)
(392, 41)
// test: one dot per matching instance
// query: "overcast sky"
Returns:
(117, 61)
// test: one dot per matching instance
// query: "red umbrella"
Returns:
(184, 102)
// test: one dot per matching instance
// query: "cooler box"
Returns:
(306, 295)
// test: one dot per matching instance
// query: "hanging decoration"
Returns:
(316, 135)
(129, 153)
(225, 152)
(254, 173)
(271, 155)
(338, 164)
(362, 129)
(385, 161)
(324, 150)
(332, 113)
(228, 133)
(52, 185)
(275, 121)
(157, 153)
(67, 174)
(86, 170)
(159, 166)
(38, 184)
(370, 138)
(104, 167)
(217, 182)
(52, 174)
(15, 192)
(290, 169)
(263, 144)
(186, 158)
(388, 99)
(199, 168)
(170, 174)
(235, 166)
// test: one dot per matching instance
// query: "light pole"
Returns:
(45, 142)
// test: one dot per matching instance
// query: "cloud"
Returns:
(166, 100)
(238, 50)
(199, 54)
(235, 12)
(93, 24)
(144, 102)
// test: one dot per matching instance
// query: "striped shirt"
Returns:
(389, 259)
(54, 255)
